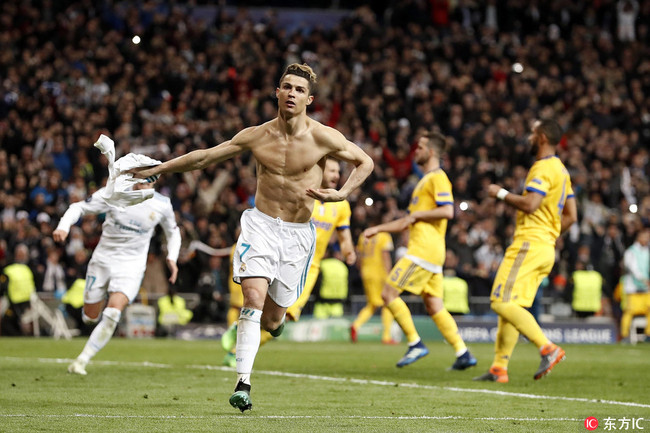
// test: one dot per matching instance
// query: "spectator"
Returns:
(17, 280)
(636, 283)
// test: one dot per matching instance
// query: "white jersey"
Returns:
(126, 234)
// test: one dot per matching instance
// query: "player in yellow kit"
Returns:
(545, 210)
(420, 270)
(326, 217)
(374, 262)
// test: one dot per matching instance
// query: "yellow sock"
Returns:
(386, 324)
(521, 319)
(626, 321)
(233, 315)
(364, 315)
(449, 330)
(507, 336)
(265, 337)
(402, 315)
(647, 324)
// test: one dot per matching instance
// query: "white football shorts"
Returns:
(116, 277)
(276, 250)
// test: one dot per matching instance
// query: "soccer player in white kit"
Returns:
(119, 260)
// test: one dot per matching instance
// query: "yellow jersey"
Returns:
(327, 217)
(550, 178)
(427, 239)
(371, 252)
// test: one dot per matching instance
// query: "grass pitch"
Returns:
(179, 386)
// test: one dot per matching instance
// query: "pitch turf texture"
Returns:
(179, 386)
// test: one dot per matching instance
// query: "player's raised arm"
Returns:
(199, 159)
(349, 152)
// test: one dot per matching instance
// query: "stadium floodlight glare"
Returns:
(136, 39)
(369, 201)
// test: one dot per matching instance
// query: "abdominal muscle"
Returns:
(285, 197)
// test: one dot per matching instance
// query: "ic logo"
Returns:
(591, 423)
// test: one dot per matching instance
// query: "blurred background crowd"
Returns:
(163, 79)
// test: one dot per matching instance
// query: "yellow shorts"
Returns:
(522, 270)
(637, 303)
(236, 296)
(372, 287)
(406, 276)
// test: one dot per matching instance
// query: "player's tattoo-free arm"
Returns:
(349, 152)
(528, 203)
(199, 159)
(442, 212)
(395, 226)
(569, 214)
(347, 246)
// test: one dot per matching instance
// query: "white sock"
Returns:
(248, 342)
(461, 352)
(101, 334)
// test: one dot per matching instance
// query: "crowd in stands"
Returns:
(479, 72)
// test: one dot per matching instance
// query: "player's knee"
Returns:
(112, 314)
(89, 320)
(433, 304)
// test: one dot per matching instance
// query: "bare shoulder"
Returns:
(327, 136)
(253, 134)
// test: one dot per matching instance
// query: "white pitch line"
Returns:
(351, 380)
(248, 416)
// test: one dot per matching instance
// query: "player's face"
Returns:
(422, 152)
(331, 174)
(293, 94)
(534, 139)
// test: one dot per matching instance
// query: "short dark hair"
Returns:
(304, 71)
(551, 129)
(437, 141)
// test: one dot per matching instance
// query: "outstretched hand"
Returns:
(148, 173)
(325, 194)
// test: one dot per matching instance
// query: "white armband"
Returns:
(501, 195)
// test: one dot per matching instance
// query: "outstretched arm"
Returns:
(92, 205)
(199, 159)
(394, 226)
